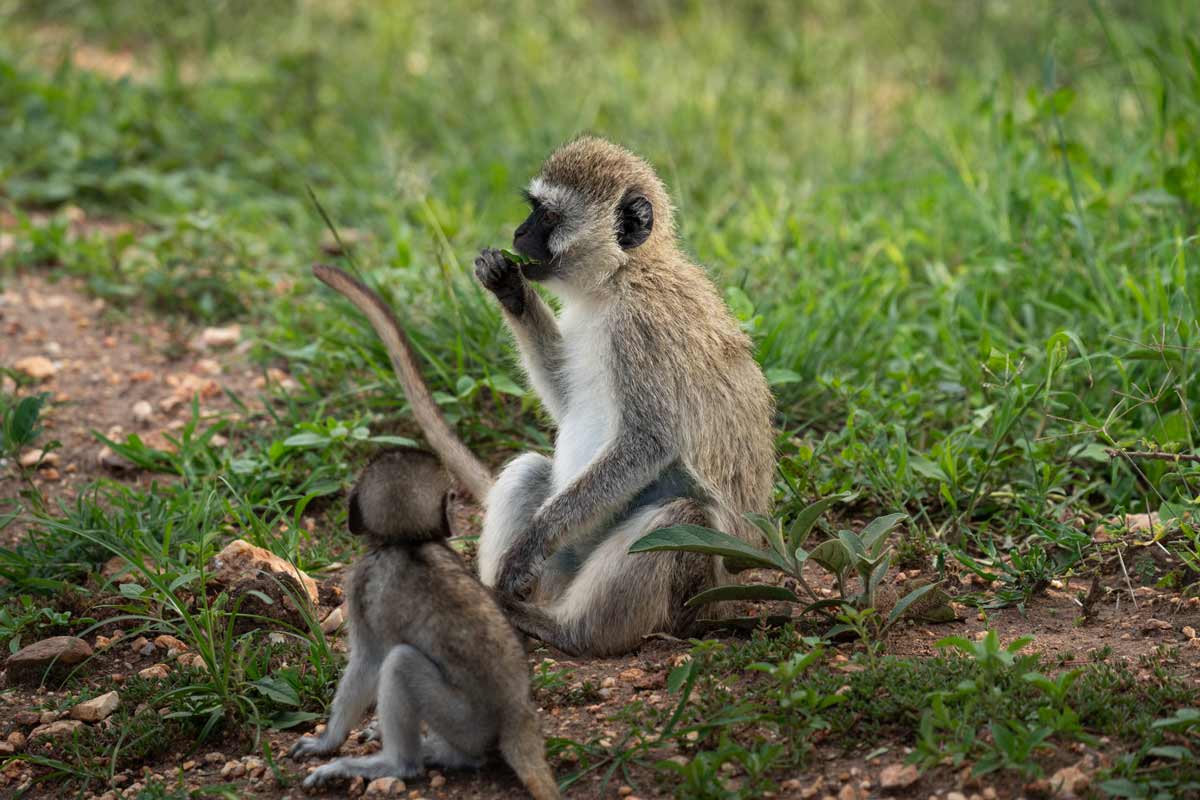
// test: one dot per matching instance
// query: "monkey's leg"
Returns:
(411, 689)
(355, 693)
(515, 497)
(618, 597)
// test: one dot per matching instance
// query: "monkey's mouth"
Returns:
(540, 270)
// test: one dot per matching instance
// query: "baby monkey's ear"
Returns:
(354, 515)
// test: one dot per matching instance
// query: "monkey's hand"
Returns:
(521, 568)
(503, 278)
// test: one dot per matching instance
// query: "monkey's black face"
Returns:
(631, 227)
(532, 240)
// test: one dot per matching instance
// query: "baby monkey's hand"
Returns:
(501, 276)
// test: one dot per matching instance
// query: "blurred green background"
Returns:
(963, 234)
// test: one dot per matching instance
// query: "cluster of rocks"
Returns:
(391, 787)
(196, 772)
(58, 724)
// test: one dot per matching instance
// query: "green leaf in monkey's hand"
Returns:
(516, 258)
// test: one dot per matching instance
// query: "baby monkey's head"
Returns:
(402, 496)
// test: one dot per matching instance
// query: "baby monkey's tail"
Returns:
(524, 750)
(460, 461)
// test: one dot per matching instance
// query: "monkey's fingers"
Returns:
(461, 462)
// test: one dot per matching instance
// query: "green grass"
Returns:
(744, 718)
(963, 236)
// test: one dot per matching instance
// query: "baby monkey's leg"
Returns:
(411, 689)
(354, 696)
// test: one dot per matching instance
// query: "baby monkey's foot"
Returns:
(368, 768)
(437, 751)
(313, 746)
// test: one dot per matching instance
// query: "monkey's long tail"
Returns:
(524, 750)
(461, 462)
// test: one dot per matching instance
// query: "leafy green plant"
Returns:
(19, 421)
(865, 555)
(991, 657)
(24, 615)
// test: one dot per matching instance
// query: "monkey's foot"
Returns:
(436, 750)
(368, 767)
(313, 746)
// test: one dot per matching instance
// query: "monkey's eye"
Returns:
(551, 218)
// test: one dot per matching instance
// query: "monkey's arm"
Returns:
(541, 346)
(627, 465)
(532, 323)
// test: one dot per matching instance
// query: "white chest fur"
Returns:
(591, 418)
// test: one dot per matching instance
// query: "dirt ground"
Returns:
(136, 375)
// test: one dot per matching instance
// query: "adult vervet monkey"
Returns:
(663, 415)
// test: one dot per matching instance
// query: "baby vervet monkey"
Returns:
(428, 644)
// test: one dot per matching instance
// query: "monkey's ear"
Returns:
(635, 220)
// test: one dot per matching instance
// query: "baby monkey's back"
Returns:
(428, 643)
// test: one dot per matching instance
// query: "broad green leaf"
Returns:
(853, 544)
(965, 646)
(778, 376)
(1018, 643)
(305, 440)
(278, 690)
(821, 605)
(22, 425)
(505, 385)
(803, 524)
(698, 539)
(1176, 752)
(751, 591)
(679, 675)
(1117, 787)
(289, 719)
(832, 555)
(926, 468)
(770, 531)
(1154, 354)
(1183, 719)
(399, 441)
(878, 528)
(877, 575)
(841, 629)
(1172, 428)
(904, 602)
